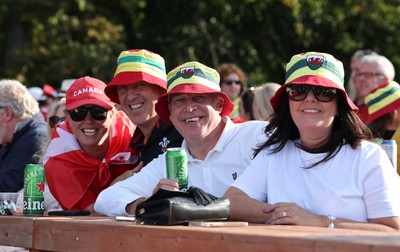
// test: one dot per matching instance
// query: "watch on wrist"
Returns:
(331, 219)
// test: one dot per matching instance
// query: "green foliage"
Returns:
(71, 42)
(46, 42)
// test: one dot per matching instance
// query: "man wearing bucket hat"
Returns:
(317, 168)
(384, 113)
(218, 150)
(137, 84)
(90, 149)
(374, 70)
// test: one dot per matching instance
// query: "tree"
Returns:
(48, 41)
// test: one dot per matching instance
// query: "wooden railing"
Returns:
(107, 234)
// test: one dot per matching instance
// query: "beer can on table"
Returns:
(390, 148)
(34, 181)
(177, 168)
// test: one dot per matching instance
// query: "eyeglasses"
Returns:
(300, 92)
(230, 82)
(79, 114)
(368, 74)
(54, 120)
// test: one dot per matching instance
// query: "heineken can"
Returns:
(34, 182)
(177, 168)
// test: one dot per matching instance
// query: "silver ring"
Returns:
(284, 213)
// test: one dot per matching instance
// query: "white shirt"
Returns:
(355, 184)
(222, 165)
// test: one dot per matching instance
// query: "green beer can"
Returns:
(177, 168)
(34, 182)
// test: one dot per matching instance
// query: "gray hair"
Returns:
(361, 53)
(16, 96)
(383, 64)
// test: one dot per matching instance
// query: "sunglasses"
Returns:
(230, 82)
(79, 114)
(300, 92)
(54, 120)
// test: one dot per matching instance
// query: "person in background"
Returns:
(246, 105)
(138, 82)
(355, 63)
(89, 150)
(262, 108)
(23, 134)
(50, 93)
(384, 113)
(37, 93)
(384, 110)
(55, 114)
(233, 83)
(217, 149)
(318, 167)
(65, 84)
(374, 71)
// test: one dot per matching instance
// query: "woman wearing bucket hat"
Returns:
(317, 168)
(383, 105)
(383, 118)
(137, 84)
(217, 149)
(89, 150)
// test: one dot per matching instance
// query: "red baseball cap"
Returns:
(87, 90)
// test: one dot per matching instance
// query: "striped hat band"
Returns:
(383, 100)
(315, 64)
(141, 60)
(193, 73)
(136, 66)
(313, 68)
(192, 78)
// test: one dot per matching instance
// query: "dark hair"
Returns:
(378, 126)
(247, 99)
(347, 129)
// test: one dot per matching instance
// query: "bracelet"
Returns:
(331, 219)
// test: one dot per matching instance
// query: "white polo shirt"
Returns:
(223, 164)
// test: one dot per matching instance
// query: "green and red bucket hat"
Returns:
(382, 100)
(316, 69)
(134, 66)
(192, 78)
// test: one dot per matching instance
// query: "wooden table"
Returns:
(107, 234)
